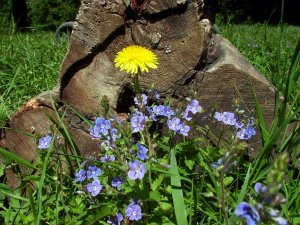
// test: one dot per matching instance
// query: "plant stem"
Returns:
(136, 84)
(149, 142)
(223, 206)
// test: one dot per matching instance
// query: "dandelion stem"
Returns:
(136, 84)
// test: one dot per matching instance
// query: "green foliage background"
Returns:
(5, 9)
(234, 10)
(50, 14)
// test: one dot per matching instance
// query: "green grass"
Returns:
(260, 45)
(29, 65)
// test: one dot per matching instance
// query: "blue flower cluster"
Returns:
(117, 182)
(263, 209)
(248, 212)
(243, 132)
(141, 151)
(134, 152)
(156, 112)
(101, 127)
(116, 220)
(107, 158)
(176, 123)
(133, 212)
(136, 170)
(94, 187)
(138, 121)
(104, 129)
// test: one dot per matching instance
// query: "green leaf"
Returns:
(95, 215)
(167, 221)
(296, 220)
(32, 178)
(169, 173)
(31, 199)
(177, 194)
(261, 120)
(3, 187)
(26, 218)
(40, 185)
(12, 195)
(157, 182)
(18, 159)
(77, 206)
(154, 195)
(189, 163)
(88, 122)
(228, 180)
(242, 193)
(50, 214)
(164, 220)
(245, 185)
(2, 167)
(165, 206)
(209, 194)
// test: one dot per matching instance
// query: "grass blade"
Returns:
(10, 194)
(88, 122)
(242, 193)
(41, 182)
(16, 158)
(31, 199)
(177, 194)
(261, 120)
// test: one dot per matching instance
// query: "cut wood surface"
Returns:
(190, 57)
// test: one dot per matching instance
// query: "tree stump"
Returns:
(190, 57)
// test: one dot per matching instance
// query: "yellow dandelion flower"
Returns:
(136, 58)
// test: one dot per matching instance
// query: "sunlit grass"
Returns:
(29, 65)
(260, 45)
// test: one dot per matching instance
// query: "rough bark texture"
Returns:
(190, 57)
